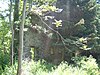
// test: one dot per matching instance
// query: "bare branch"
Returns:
(55, 32)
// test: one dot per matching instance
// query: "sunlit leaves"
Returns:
(84, 44)
(82, 39)
(43, 9)
(84, 47)
(5, 35)
(40, 2)
(21, 4)
(49, 17)
(81, 22)
(32, 51)
(58, 23)
(48, 8)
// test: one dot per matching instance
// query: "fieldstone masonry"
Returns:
(48, 48)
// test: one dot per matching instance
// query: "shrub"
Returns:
(10, 70)
(87, 64)
(4, 60)
(84, 66)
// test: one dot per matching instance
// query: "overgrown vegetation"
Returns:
(81, 37)
(82, 66)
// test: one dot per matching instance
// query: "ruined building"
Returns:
(48, 44)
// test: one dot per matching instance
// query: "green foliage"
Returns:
(41, 2)
(10, 70)
(4, 60)
(91, 26)
(40, 66)
(29, 68)
(43, 9)
(5, 35)
(5, 39)
(58, 23)
(84, 66)
(88, 64)
(32, 53)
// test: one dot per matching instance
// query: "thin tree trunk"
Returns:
(21, 34)
(12, 42)
(16, 10)
(16, 32)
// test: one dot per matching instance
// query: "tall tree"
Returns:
(12, 43)
(21, 34)
(15, 26)
(16, 10)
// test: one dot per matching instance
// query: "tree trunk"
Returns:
(12, 41)
(16, 10)
(21, 34)
(16, 32)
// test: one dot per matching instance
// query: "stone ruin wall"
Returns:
(42, 43)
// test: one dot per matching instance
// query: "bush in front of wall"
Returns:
(82, 66)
